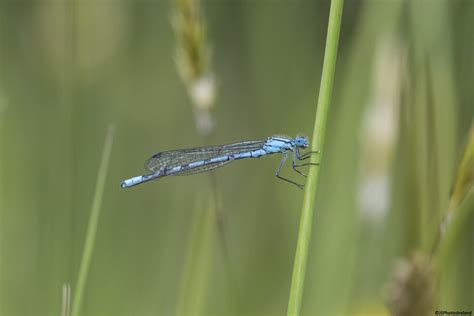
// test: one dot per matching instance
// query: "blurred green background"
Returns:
(401, 111)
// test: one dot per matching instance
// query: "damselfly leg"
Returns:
(285, 156)
(305, 155)
(296, 155)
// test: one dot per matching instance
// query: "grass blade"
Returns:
(93, 223)
(199, 259)
(325, 92)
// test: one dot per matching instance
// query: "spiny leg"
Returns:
(305, 155)
(285, 156)
(295, 165)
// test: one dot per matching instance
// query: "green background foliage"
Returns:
(69, 69)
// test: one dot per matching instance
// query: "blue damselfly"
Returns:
(201, 159)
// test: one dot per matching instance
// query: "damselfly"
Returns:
(183, 162)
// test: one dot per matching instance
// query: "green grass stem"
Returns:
(325, 92)
(93, 223)
(457, 216)
(199, 258)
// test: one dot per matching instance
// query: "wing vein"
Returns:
(169, 159)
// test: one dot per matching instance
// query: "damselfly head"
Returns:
(301, 141)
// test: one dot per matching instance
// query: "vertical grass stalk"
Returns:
(199, 258)
(457, 216)
(193, 60)
(325, 92)
(93, 223)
